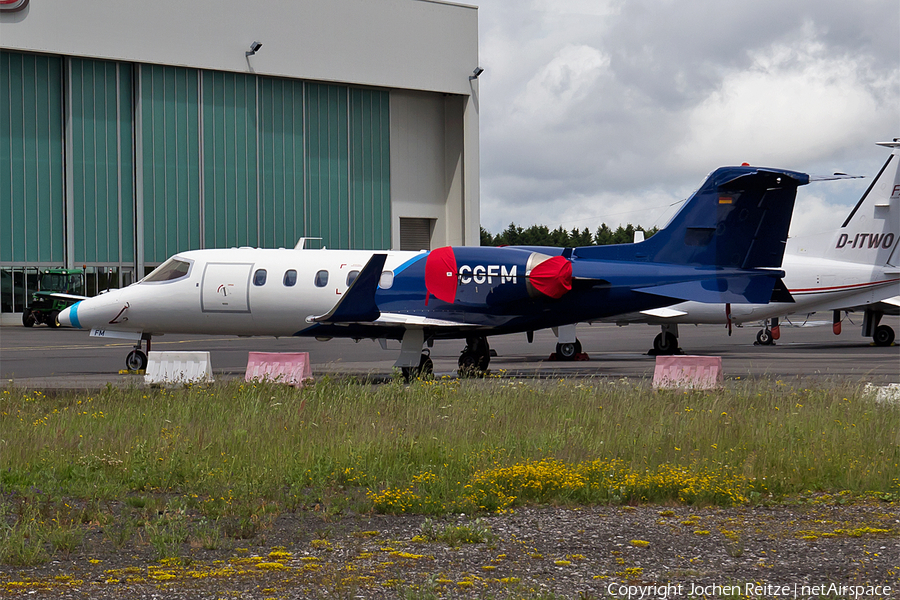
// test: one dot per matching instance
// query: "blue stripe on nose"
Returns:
(73, 315)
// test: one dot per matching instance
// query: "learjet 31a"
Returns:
(724, 245)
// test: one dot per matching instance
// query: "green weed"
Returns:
(476, 532)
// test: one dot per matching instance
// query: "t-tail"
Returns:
(870, 234)
(739, 218)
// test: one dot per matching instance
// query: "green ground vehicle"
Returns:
(59, 289)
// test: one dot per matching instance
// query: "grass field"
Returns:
(219, 462)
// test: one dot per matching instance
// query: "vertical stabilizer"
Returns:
(871, 232)
(739, 218)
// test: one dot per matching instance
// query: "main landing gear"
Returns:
(568, 346)
(475, 357)
(137, 359)
(768, 334)
(666, 341)
(882, 335)
(414, 361)
(424, 370)
(569, 351)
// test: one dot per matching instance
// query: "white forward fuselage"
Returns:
(223, 292)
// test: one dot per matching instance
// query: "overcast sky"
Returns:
(610, 111)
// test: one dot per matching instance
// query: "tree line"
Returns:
(540, 235)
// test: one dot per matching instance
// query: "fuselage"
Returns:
(269, 292)
(222, 293)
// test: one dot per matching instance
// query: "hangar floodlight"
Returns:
(478, 71)
(254, 48)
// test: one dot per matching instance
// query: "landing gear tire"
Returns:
(425, 370)
(764, 338)
(28, 319)
(568, 351)
(475, 357)
(53, 319)
(665, 343)
(136, 360)
(884, 336)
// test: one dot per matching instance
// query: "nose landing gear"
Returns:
(137, 359)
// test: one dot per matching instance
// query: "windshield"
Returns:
(170, 270)
(60, 282)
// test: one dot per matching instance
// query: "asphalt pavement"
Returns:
(52, 359)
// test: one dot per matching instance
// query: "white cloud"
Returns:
(603, 111)
(560, 86)
(794, 105)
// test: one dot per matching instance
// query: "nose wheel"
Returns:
(137, 358)
(765, 338)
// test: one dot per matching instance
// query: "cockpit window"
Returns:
(170, 270)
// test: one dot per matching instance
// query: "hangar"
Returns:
(133, 130)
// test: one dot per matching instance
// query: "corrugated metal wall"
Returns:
(282, 191)
(100, 191)
(230, 160)
(31, 159)
(370, 181)
(107, 163)
(168, 159)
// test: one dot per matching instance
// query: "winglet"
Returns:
(358, 302)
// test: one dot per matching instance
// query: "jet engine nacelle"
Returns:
(494, 276)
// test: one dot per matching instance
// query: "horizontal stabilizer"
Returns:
(358, 304)
(745, 289)
(834, 177)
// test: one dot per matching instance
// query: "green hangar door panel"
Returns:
(226, 288)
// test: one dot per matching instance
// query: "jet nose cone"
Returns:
(69, 316)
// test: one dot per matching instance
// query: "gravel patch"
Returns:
(534, 552)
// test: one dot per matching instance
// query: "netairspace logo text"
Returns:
(752, 590)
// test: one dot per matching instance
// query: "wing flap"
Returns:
(664, 313)
(394, 319)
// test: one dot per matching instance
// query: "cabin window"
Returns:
(170, 270)
(387, 280)
(290, 278)
(351, 277)
(259, 278)
(322, 278)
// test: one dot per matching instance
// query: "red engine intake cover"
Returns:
(553, 277)
(441, 275)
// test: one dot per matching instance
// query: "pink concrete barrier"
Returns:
(291, 368)
(688, 372)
